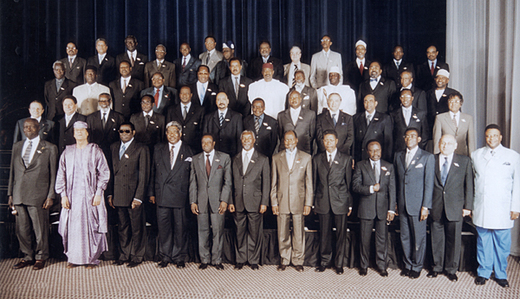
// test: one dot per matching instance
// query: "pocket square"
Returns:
(188, 159)
(268, 128)
(213, 93)
(419, 165)
(387, 173)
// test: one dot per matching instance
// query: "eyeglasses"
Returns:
(125, 131)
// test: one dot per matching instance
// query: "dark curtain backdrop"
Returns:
(34, 33)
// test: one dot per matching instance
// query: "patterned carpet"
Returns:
(146, 281)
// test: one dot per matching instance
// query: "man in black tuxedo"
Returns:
(382, 88)
(104, 63)
(357, 71)
(186, 66)
(427, 71)
(332, 175)
(236, 86)
(437, 98)
(374, 181)
(204, 92)
(338, 121)
(369, 125)
(397, 66)
(32, 176)
(264, 127)
(164, 96)
(166, 68)
(137, 60)
(46, 131)
(130, 173)
(55, 90)
(225, 125)
(191, 118)
(170, 182)
(149, 126)
(309, 95)
(125, 91)
(255, 67)
(66, 123)
(74, 65)
(452, 200)
(252, 182)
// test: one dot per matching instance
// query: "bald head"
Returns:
(447, 144)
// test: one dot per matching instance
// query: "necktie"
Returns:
(294, 78)
(208, 165)
(172, 153)
(432, 69)
(397, 64)
(330, 159)
(376, 171)
(207, 58)
(237, 85)
(27, 154)
(158, 64)
(444, 171)
(361, 68)
(334, 119)
(184, 112)
(156, 97)
(202, 94)
(369, 119)
(183, 63)
(124, 85)
(221, 118)
(70, 63)
(454, 120)
(147, 120)
(257, 124)
(122, 151)
(132, 60)
(246, 163)
(408, 158)
(406, 117)
(104, 119)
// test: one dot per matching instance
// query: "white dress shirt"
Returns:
(295, 113)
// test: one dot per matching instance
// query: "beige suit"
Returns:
(288, 75)
(464, 133)
(291, 190)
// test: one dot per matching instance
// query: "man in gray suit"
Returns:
(291, 198)
(452, 200)
(289, 69)
(249, 202)
(212, 56)
(321, 63)
(31, 192)
(166, 68)
(210, 192)
(415, 170)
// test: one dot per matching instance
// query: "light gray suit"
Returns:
(212, 62)
(464, 133)
(320, 67)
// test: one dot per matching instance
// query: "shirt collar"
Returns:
(225, 111)
(35, 140)
(288, 152)
(412, 151)
(177, 145)
(188, 57)
(127, 144)
(149, 113)
(249, 152)
(159, 61)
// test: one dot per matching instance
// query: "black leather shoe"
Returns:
(239, 266)
(339, 270)
(133, 264)
(320, 269)
(118, 262)
(405, 272)
(254, 267)
(162, 264)
(432, 274)
(452, 277)
(203, 266)
(414, 274)
(480, 280)
(219, 267)
(180, 264)
(363, 271)
(383, 273)
(39, 265)
(502, 282)
(23, 264)
(299, 268)
(281, 267)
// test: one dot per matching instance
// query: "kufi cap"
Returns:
(80, 125)
(268, 65)
(443, 72)
(334, 69)
(361, 43)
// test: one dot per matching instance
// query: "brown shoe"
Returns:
(71, 265)
(39, 265)
(90, 266)
(23, 264)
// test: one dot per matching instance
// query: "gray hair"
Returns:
(176, 124)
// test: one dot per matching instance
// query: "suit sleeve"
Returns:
(225, 195)
(468, 186)
(266, 182)
(153, 169)
(391, 189)
(312, 79)
(349, 141)
(53, 164)
(429, 176)
(193, 182)
(425, 131)
(274, 183)
(239, 130)
(144, 170)
(348, 179)
(357, 182)
(437, 134)
(388, 137)
(309, 194)
(471, 137)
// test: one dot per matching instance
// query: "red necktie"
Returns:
(156, 97)
(208, 166)
(183, 63)
(361, 68)
(432, 69)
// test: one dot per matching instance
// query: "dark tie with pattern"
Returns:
(221, 118)
(104, 119)
(257, 124)
(172, 154)
(444, 171)
(27, 154)
(208, 165)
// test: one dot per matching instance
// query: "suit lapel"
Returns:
(370, 170)
(178, 161)
(437, 169)
(283, 160)
(37, 153)
(214, 165)
(252, 162)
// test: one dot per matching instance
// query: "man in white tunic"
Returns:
(272, 91)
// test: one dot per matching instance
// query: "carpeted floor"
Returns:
(148, 282)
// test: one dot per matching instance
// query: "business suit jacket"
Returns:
(76, 72)
(227, 136)
(384, 92)
(104, 137)
(464, 133)
(320, 67)
(130, 174)
(188, 75)
(46, 130)
(291, 188)
(425, 80)
(241, 103)
(374, 205)
(138, 67)
(267, 136)
(169, 98)
(417, 120)
(380, 129)
(332, 183)
(353, 77)
(437, 107)
(210, 97)
(344, 128)
(127, 102)
(208, 192)
(255, 68)
(419, 99)
(191, 126)
(167, 69)
(309, 98)
(213, 59)
(252, 188)
(305, 128)
(304, 67)
(391, 72)
(106, 71)
(66, 133)
(222, 71)
(152, 134)
(54, 99)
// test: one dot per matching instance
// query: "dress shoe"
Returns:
(414, 274)
(254, 267)
(320, 269)
(299, 268)
(90, 266)
(281, 267)
(71, 265)
(452, 277)
(502, 282)
(432, 274)
(23, 264)
(162, 264)
(118, 262)
(203, 266)
(219, 267)
(339, 270)
(405, 272)
(363, 271)
(480, 280)
(239, 266)
(39, 265)
(180, 265)
(133, 264)
(383, 273)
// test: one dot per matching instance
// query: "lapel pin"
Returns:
(127, 156)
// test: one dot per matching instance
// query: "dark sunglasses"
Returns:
(125, 131)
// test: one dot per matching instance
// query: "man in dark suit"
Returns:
(309, 95)
(210, 192)
(374, 181)
(149, 126)
(397, 66)
(265, 128)
(222, 69)
(437, 98)
(164, 96)
(252, 181)
(225, 125)
(415, 169)
(186, 66)
(419, 96)
(191, 118)
(236, 87)
(302, 121)
(32, 176)
(333, 202)
(170, 181)
(338, 121)
(204, 92)
(66, 123)
(125, 91)
(408, 116)
(369, 125)
(137, 60)
(130, 170)
(46, 126)
(357, 71)
(104, 63)
(255, 67)
(74, 65)
(427, 71)
(382, 88)
(452, 200)
(55, 90)
(166, 68)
